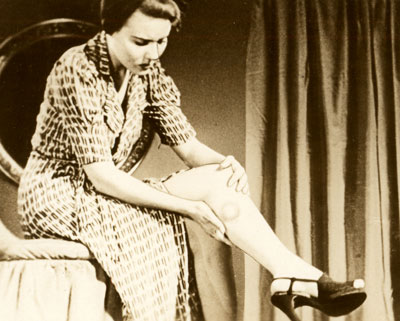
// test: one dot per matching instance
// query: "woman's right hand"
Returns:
(211, 224)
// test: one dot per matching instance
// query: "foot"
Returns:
(330, 290)
(332, 298)
(311, 287)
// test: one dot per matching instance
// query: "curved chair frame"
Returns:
(50, 29)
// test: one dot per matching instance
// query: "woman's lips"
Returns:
(144, 66)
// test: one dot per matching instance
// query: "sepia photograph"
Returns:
(199, 160)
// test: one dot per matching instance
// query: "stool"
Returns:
(54, 280)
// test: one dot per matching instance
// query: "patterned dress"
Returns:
(81, 121)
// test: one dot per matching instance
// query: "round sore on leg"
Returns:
(230, 210)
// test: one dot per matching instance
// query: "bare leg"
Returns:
(247, 229)
(245, 226)
(214, 274)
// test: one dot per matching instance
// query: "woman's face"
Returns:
(140, 40)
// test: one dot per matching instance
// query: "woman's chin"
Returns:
(140, 69)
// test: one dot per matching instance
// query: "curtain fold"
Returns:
(323, 140)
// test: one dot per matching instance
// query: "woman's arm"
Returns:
(194, 153)
(109, 180)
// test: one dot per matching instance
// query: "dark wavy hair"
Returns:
(114, 13)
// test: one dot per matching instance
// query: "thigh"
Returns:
(143, 250)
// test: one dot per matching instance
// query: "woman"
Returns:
(96, 97)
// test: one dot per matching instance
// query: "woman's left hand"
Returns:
(239, 176)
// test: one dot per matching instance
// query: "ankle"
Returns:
(309, 274)
(283, 285)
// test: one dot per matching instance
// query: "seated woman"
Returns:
(72, 188)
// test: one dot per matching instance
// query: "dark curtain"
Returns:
(323, 141)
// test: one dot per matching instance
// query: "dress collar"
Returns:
(96, 50)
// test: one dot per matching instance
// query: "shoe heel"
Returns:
(285, 303)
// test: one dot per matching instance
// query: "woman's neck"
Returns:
(117, 70)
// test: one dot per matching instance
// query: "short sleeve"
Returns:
(82, 112)
(164, 111)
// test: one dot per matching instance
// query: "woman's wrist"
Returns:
(188, 208)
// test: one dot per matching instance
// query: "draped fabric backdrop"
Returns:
(323, 142)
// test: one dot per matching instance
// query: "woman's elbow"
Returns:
(99, 175)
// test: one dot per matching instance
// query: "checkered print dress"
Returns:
(81, 121)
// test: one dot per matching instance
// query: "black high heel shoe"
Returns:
(334, 298)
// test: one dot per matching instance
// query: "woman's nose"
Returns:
(153, 51)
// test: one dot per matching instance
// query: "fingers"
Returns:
(227, 162)
(238, 170)
(215, 228)
(241, 182)
(220, 237)
(218, 232)
(239, 176)
(226, 240)
(217, 224)
(246, 190)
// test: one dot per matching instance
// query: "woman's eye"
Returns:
(140, 43)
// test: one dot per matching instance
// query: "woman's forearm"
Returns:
(109, 180)
(195, 154)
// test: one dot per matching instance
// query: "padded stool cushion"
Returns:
(54, 280)
(44, 249)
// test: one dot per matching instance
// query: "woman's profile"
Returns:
(96, 98)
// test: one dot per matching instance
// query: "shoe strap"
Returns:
(292, 280)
